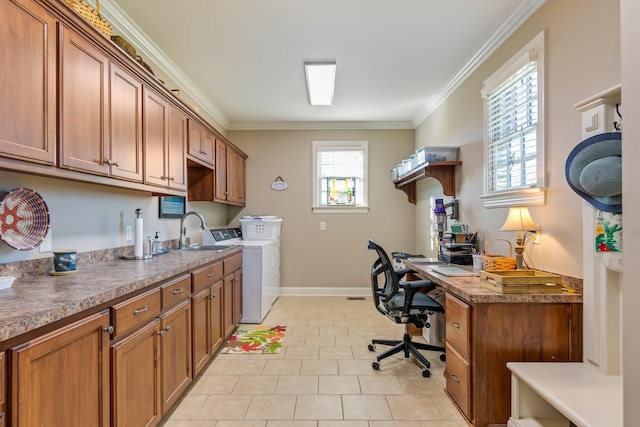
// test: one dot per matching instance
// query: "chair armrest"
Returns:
(416, 284)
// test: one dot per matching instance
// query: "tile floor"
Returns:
(322, 376)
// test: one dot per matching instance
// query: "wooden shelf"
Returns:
(444, 172)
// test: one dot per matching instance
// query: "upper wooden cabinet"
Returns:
(101, 112)
(230, 183)
(28, 70)
(201, 143)
(165, 139)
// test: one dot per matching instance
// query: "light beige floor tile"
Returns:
(256, 384)
(299, 330)
(446, 407)
(290, 341)
(271, 407)
(338, 384)
(335, 330)
(343, 352)
(361, 330)
(363, 352)
(232, 423)
(297, 384)
(348, 340)
(356, 367)
(394, 424)
(323, 321)
(413, 407)
(443, 423)
(343, 424)
(281, 423)
(188, 407)
(245, 366)
(346, 322)
(320, 341)
(190, 423)
(366, 407)
(303, 353)
(214, 384)
(413, 384)
(319, 367)
(282, 367)
(217, 366)
(374, 384)
(318, 407)
(227, 407)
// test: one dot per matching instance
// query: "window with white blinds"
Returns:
(340, 174)
(514, 143)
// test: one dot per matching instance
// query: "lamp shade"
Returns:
(519, 219)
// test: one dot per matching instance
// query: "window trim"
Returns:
(520, 196)
(317, 146)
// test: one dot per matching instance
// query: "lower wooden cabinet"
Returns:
(62, 378)
(136, 378)
(175, 339)
(3, 390)
(207, 311)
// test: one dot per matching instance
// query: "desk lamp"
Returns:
(519, 220)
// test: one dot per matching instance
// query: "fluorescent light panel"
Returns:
(321, 79)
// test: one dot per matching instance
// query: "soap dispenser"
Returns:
(157, 244)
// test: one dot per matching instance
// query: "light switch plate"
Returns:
(128, 233)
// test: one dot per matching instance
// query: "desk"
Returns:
(486, 329)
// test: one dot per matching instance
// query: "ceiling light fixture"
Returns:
(321, 79)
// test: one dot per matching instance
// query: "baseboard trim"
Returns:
(325, 292)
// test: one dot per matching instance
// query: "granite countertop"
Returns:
(469, 289)
(36, 301)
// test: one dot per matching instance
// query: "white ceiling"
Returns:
(242, 60)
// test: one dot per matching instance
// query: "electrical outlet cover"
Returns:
(46, 244)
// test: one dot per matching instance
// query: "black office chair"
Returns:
(401, 301)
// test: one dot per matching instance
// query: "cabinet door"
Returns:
(221, 172)
(228, 323)
(176, 151)
(216, 320)
(125, 108)
(3, 390)
(136, 378)
(83, 110)
(156, 111)
(62, 378)
(176, 353)
(28, 101)
(237, 297)
(201, 143)
(200, 329)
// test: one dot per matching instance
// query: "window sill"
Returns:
(520, 197)
(340, 209)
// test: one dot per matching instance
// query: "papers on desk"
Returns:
(453, 271)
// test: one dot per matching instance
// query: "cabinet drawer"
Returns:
(206, 276)
(232, 263)
(458, 322)
(135, 311)
(176, 291)
(458, 376)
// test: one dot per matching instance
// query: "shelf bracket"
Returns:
(444, 172)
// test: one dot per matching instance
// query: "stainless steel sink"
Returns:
(209, 248)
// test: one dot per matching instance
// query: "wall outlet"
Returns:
(46, 244)
(535, 237)
(323, 226)
(128, 233)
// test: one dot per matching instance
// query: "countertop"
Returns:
(37, 301)
(469, 289)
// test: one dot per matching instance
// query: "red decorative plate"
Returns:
(24, 219)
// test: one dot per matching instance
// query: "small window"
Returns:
(514, 131)
(340, 174)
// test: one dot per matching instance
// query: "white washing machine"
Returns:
(260, 270)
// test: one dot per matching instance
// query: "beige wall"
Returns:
(337, 257)
(583, 59)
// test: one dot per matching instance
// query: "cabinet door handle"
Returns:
(212, 296)
(109, 329)
(178, 291)
(456, 379)
(211, 274)
(172, 178)
(141, 310)
(455, 324)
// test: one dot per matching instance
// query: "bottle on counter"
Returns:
(157, 244)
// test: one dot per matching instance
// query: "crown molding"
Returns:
(518, 15)
(312, 125)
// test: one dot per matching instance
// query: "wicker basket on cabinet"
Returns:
(92, 15)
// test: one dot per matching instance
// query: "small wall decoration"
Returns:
(279, 184)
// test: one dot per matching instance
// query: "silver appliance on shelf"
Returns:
(260, 270)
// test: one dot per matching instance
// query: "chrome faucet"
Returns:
(183, 229)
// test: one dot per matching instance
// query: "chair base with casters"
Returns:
(403, 303)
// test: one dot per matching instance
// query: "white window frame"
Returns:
(525, 195)
(318, 146)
